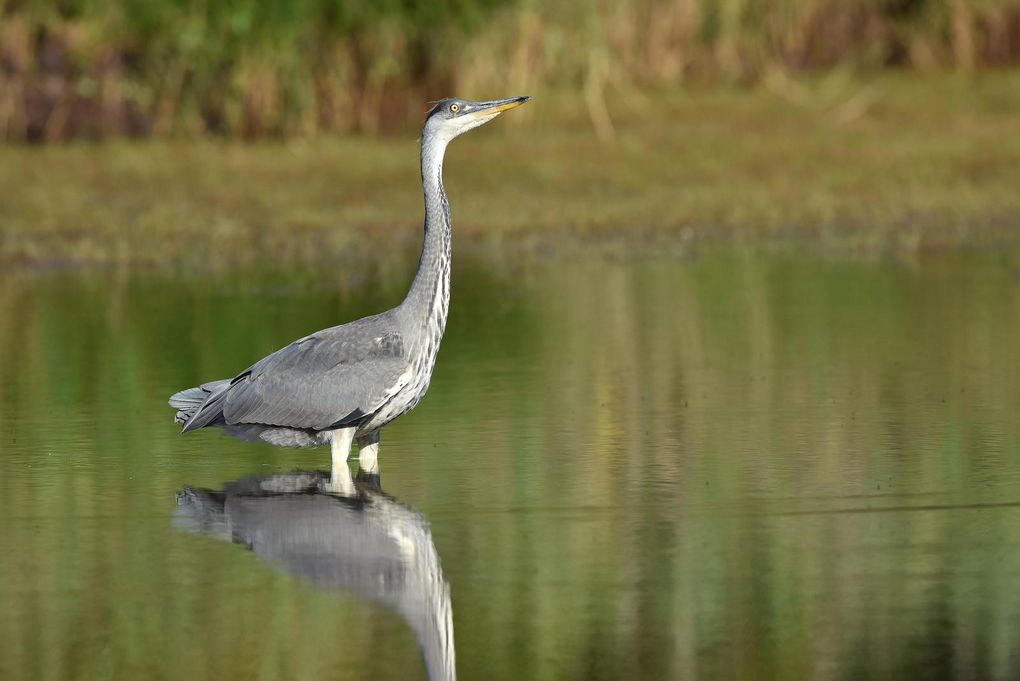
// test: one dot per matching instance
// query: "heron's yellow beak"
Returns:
(498, 106)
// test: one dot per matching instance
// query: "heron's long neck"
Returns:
(428, 300)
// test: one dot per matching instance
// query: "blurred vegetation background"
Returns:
(252, 68)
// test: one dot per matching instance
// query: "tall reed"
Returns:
(254, 68)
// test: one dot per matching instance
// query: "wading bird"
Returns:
(347, 382)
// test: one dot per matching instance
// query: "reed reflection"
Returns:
(340, 532)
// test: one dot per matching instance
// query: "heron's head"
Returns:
(452, 117)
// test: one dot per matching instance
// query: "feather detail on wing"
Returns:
(334, 377)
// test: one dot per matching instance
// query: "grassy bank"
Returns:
(896, 163)
(257, 68)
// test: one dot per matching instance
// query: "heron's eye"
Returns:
(455, 108)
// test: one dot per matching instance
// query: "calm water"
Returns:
(731, 467)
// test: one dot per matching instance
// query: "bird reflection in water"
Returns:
(339, 532)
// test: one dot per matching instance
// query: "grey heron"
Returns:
(345, 383)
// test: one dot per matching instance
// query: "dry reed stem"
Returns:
(366, 80)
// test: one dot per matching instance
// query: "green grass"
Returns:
(901, 163)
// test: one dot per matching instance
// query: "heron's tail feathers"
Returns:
(189, 399)
(200, 406)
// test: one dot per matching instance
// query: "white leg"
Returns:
(368, 453)
(340, 445)
(339, 449)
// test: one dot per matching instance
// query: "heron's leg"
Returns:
(368, 452)
(339, 449)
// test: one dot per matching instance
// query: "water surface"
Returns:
(729, 467)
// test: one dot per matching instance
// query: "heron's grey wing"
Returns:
(324, 380)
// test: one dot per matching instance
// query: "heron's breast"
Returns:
(413, 383)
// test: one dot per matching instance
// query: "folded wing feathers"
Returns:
(311, 384)
(194, 404)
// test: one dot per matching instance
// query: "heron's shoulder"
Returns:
(376, 333)
(361, 342)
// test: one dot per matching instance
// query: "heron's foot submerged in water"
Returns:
(368, 453)
(339, 474)
(340, 481)
(340, 445)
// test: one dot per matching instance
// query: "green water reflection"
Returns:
(729, 467)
